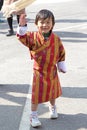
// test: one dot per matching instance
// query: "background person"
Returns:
(15, 7)
(10, 18)
(1, 4)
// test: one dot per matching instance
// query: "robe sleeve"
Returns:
(61, 51)
(25, 37)
(61, 62)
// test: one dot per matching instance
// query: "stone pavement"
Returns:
(16, 71)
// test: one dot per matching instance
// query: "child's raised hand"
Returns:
(22, 20)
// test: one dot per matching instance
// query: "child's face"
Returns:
(44, 26)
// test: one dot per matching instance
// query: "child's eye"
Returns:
(41, 22)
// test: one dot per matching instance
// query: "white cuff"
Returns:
(22, 30)
(62, 66)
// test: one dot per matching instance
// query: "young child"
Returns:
(48, 53)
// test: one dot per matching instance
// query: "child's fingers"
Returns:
(22, 20)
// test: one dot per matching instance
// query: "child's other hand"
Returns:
(22, 20)
(62, 66)
(62, 71)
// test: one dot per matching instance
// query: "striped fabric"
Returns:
(46, 54)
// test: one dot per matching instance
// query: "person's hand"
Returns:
(62, 66)
(7, 11)
(22, 20)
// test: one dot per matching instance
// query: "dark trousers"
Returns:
(1, 3)
(10, 21)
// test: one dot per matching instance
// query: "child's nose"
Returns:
(44, 24)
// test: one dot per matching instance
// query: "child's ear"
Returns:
(35, 23)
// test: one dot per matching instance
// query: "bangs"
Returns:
(44, 14)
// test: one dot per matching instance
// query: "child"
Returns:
(47, 51)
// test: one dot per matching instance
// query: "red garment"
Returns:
(46, 54)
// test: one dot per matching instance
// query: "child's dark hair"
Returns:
(44, 14)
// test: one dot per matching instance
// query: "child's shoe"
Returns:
(53, 112)
(34, 121)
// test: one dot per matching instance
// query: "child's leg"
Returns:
(34, 107)
(34, 116)
(52, 102)
(52, 108)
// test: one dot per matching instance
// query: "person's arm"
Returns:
(22, 28)
(22, 31)
(15, 7)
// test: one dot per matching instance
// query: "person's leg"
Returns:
(52, 108)
(18, 16)
(52, 102)
(10, 24)
(34, 107)
(34, 121)
(1, 4)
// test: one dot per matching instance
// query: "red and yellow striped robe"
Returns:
(46, 54)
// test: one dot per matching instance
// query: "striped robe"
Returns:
(46, 54)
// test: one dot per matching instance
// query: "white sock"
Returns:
(33, 113)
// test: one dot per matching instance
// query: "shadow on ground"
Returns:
(12, 102)
(65, 121)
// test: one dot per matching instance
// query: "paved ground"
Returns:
(16, 71)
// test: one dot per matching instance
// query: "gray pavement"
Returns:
(16, 71)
